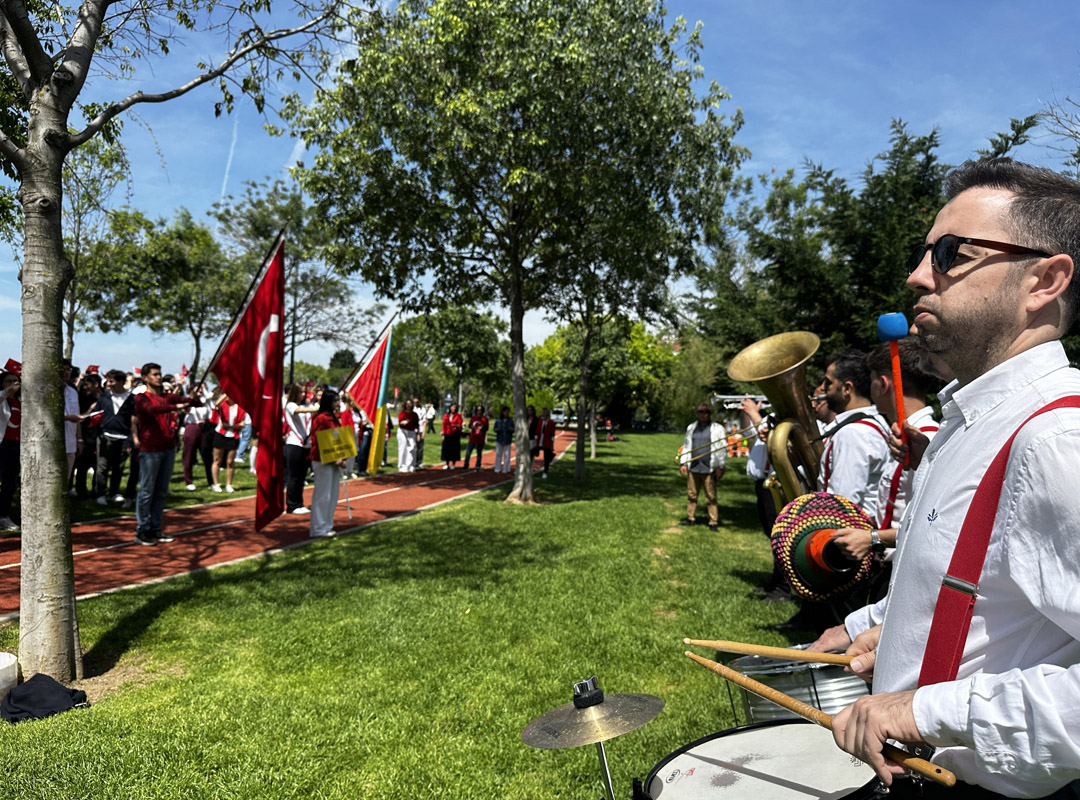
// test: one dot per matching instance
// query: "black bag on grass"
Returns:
(40, 697)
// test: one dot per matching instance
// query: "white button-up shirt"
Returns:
(854, 458)
(1011, 719)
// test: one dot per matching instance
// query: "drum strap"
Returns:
(959, 587)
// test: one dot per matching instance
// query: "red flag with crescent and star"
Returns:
(249, 369)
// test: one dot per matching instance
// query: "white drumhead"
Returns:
(768, 762)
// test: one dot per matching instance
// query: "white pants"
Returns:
(324, 498)
(502, 457)
(406, 450)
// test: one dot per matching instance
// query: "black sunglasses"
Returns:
(943, 252)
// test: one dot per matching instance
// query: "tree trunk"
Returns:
(592, 429)
(48, 629)
(523, 474)
(583, 392)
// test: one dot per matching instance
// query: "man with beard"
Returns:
(979, 651)
(857, 444)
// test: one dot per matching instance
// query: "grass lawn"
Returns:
(404, 660)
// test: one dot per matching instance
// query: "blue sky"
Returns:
(816, 80)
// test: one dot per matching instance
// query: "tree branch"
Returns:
(237, 54)
(14, 59)
(33, 56)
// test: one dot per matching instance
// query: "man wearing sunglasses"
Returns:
(997, 693)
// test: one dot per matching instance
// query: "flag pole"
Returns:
(247, 299)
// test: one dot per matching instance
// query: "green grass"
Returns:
(404, 660)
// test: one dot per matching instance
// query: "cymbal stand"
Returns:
(588, 693)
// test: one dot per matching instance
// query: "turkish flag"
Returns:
(248, 366)
(364, 388)
(13, 367)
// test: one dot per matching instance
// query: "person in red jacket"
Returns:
(545, 438)
(451, 437)
(478, 429)
(10, 414)
(155, 421)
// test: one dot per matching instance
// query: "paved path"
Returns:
(108, 558)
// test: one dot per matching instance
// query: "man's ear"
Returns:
(1052, 277)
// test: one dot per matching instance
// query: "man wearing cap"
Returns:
(702, 462)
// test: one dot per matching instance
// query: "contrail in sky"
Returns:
(232, 149)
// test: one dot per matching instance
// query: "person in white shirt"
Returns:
(995, 290)
(857, 442)
(702, 463)
(894, 488)
(297, 447)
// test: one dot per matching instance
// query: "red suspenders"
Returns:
(956, 598)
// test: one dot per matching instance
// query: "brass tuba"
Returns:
(778, 366)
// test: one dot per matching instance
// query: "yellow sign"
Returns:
(336, 444)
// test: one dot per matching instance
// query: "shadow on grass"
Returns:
(441, 549)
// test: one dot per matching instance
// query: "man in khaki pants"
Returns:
(704, 456)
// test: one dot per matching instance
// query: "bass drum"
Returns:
(768, 761)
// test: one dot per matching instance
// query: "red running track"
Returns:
(108, 558)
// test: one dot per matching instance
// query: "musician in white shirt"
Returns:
(995, 291)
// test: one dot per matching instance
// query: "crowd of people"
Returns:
(126, 428)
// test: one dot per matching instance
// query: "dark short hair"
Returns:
(850, 365)
(116, 375)
(1044, 215)
(147, 367)
(880, 361)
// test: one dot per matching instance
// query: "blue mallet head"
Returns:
(892, 327)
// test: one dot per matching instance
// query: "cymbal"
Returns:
(567, 726)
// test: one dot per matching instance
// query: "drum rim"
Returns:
(771, 723)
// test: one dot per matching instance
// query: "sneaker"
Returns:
(543, 475)
(162, 536)
(190, 487)
(118, 498)
(146, 537)
(301, 510)
(713, 527)
(72, 493)
(8, 524)
(215, 487)
(102, 501)
(228, 488)
(685, 523)
(127, 504)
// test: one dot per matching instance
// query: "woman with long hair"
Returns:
(451, 437)
(297, 447)
(324, 497)
(478, 429)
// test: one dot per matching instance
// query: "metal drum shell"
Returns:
(824, 686)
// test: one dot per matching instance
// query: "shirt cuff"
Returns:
(942, 713)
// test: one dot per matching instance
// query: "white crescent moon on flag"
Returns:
(264, 342)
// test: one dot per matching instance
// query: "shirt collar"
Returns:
(992, 388)
(843, 415)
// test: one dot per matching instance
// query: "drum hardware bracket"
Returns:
(588, 693)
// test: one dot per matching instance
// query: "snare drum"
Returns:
(824, 686)
(768, 761)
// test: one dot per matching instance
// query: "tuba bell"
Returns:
(778, 366)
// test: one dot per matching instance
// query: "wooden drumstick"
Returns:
(786, 653)
(919, 765)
